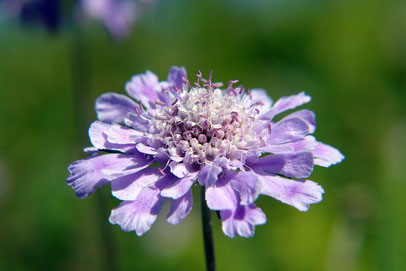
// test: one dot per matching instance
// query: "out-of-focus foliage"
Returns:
(350, 56)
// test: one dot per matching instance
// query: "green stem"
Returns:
(207, 233)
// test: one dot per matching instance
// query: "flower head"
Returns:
(173, 135)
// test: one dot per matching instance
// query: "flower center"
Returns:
(205, 123)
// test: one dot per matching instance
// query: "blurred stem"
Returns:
(80, 75)
(207, 233)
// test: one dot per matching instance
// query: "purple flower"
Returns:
(173, 136)
(118, 16)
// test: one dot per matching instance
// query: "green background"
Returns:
(350, 56)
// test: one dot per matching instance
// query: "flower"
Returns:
(118, 16)
(172, 136)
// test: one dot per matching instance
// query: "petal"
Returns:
(326, 155)
(261, 96)
(140, 214)
(128, 187)
(298, 193)
(242, 220)
(113, 107)
(247, 186)
(307, 143)
(286, 103)
(208, 174)
(180, 208)
(293, 165)
(106, 136)
(288, 130)
(179, 188)
(88, 174)
(179, 169)
(146, 149)
(176, 76)
(306, 115)
(142, 88)
(221, 195)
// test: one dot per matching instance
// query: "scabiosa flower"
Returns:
(118, 16)
(172, 136)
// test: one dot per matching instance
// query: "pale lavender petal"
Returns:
(221, 195)
(307, 143)
(208, 174)
(146, 149)
(176, 76)
(288, 130)
(128, 187)
(307, 115)
(286, 103)
(140, 214)
(112, 107)
(180, 208)
(179, 188)
(293, 165)
(142, 88)
(260, 96)
(242, 220)
(326, 155)
(298, 193)
(247, 186)
(179, 169)
(88, 174)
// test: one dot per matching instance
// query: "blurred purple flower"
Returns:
(174, 136)
(118, 16)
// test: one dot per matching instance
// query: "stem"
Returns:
(207, 233)
(80, 74)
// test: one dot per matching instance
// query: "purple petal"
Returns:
(179, 188)
(307, 115)
(293, 165)
(113, 137)
(128, 187)
(179, 169)
(242, 220)
(221, 195)
(146, 149)
(247, 186)
(88, 174)
(307, 143)
(140, 214)
(113, 107)
(300, 194)
(208, 174)
(261, 96)
(288, 130)
(176, 75)
(326, 155)
(142, 88)
(180, 208)
(286, 103)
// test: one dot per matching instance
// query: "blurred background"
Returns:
(350, 56)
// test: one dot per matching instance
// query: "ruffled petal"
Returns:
(106, 136)
(297, 193)
(208, 174)
(113, 107)
(326, 155)
(307, 115)
(179, 188)
(260, 96)
(247, 186)
(140, 214)
(180, 208)
(288, 130)
(142, 88)
(286, 103)
(221, 195)
(242, 220)
(88, 174)
(128, 187)
(294, 165)
(176, 76)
